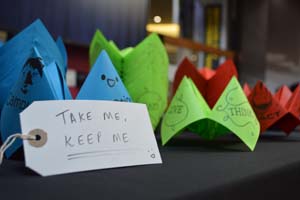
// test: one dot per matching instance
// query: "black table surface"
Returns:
(192, 168)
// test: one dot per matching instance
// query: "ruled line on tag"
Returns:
(101, 153)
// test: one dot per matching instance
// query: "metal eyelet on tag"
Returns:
(41, 137)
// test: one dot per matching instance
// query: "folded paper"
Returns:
(63, 51)
(210, 83)
(143, 69)
(15, 52)
(281, 110)
(231, 113)
(207, 73)
(37, 81)
(98, 44)
(247, 89)
(103, 82)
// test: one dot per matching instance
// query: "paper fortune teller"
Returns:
(210, 83)
(143, 69)
(231, 113)
(103, 82)
(63, 51)
(15, 52)
(37, 81)
(279, 111)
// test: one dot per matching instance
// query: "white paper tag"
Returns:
(87, 135)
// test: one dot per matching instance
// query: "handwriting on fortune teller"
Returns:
(235, 109)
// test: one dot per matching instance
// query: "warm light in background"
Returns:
(172, 30)
(3, 36)
(157, 19)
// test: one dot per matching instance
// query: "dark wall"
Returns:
(123, 21)
(284, 29)
(252, 40)
(186, 16)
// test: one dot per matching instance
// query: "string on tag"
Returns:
(10, 140)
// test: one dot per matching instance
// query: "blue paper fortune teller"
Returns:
(33, 68)
(36, 81)
(63, 51)
(15, 52)
(103, 82)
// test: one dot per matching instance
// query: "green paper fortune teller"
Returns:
(143, 69)
(231, 113)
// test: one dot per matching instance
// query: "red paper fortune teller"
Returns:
(211, 83)
(281, 110)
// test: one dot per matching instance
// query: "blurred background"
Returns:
(262, 36)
